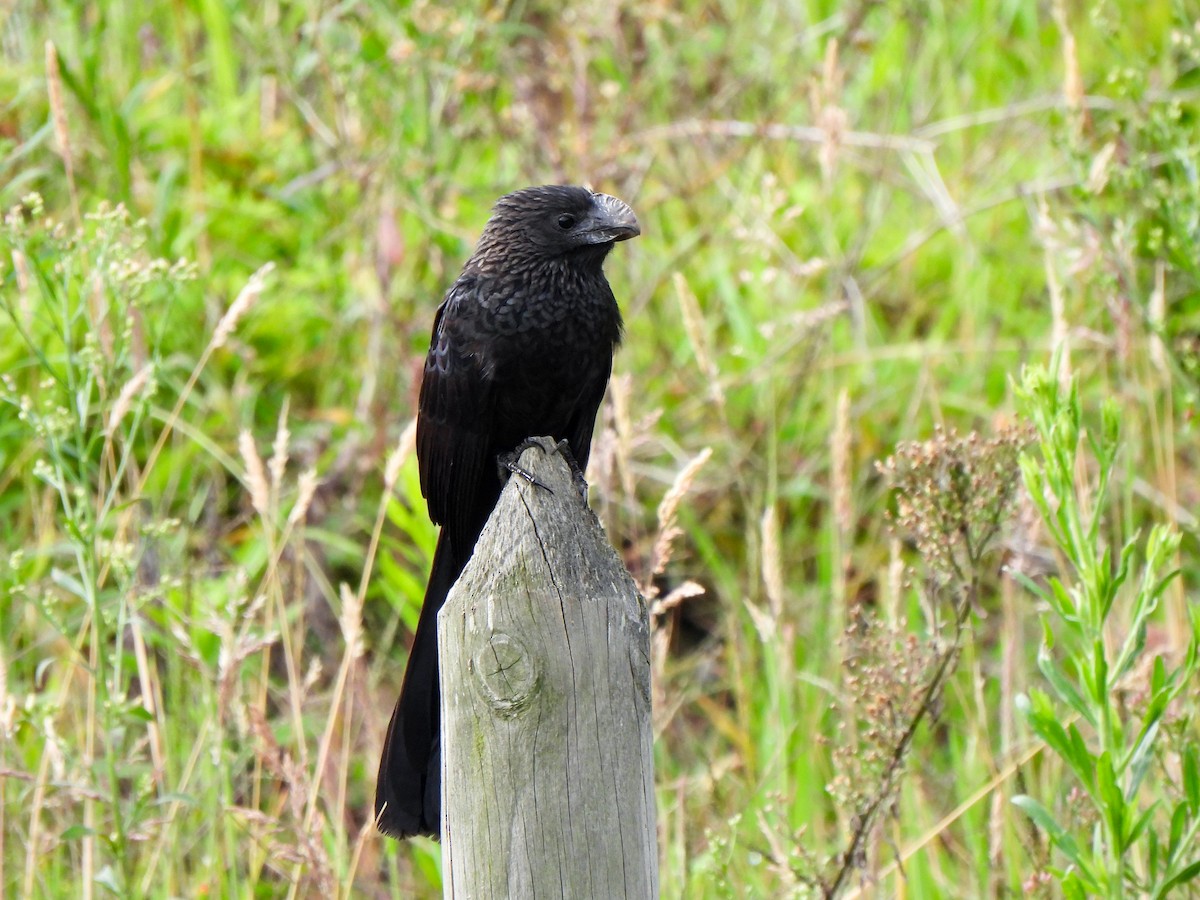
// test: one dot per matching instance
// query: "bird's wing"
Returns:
(454, 417)
(579, 429)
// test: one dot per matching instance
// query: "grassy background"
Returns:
(859, 221)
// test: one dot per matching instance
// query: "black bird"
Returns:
(522, 346)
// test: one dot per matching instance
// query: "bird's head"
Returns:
(557, 221)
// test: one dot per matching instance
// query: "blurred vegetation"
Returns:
(227, 226)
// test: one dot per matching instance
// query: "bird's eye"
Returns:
(565, 221)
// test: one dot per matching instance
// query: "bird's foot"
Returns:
(580, 482)
(508, 463)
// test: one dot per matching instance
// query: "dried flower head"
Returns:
(887, 672)
(953, 495)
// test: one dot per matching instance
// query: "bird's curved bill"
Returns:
(612, 221)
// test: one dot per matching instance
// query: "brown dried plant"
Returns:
(953, 497)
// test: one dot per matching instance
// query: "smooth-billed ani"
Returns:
(522, 346)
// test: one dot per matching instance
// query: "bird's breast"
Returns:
(540, 391)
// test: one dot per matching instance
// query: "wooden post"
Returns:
(544, 644)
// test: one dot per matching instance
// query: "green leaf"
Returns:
(1064, 603)
(1110, 429)
(1035, 483)
(1059, 836)
(1141, 757)
(1179, 821)
(1128, 555)
(1112, 801)
(1191, 778)
(1063, 687)
(1139, 825)
(1099, 681)
(1030, 585)
(140, 713)
(1040, 815)
(69, 582)
(1036, 708)
(1072, 887)
(1047, 636)
(1068, 744)
(1158, 675)
(1183, 877)
(107, 878)
(1082, 760)
(175, 797)
(1162, 584)
(1105, 587)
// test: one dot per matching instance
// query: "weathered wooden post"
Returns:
(548, 774)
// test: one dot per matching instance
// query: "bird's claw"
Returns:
(509, 463)
(577, 477)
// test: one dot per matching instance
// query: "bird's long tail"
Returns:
(408, 795)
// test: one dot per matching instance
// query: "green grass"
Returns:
(184, 705)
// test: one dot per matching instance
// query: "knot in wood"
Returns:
(506, 673)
